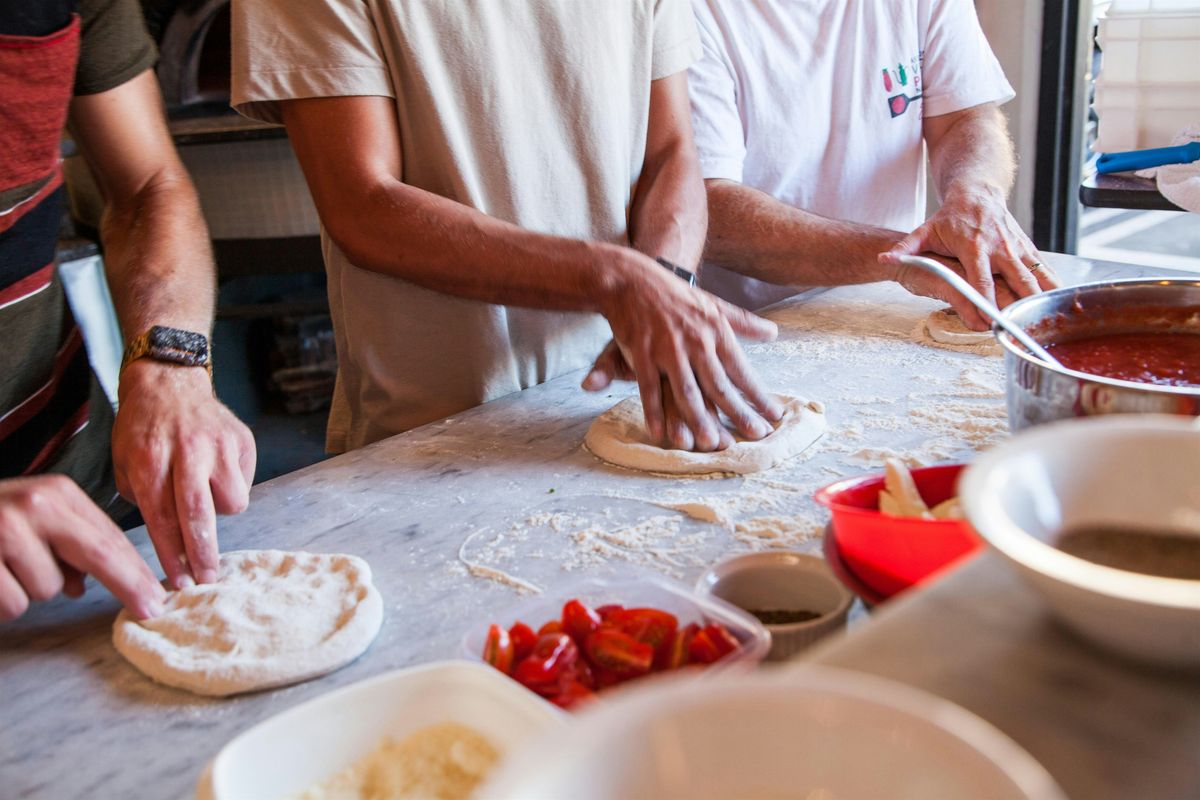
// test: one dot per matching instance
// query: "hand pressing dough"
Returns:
(272, 618)
(946, 327)
(619, 437)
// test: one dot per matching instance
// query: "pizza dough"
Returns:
(272, 618)
(945, 326)
(619, 437)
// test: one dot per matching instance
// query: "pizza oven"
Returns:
(194, 53)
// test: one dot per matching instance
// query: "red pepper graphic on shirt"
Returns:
(887, 81)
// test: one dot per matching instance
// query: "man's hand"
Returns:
(971, 158)
(183, 458)
(51, 535)
(681, 344)
(976, 229)
(920, 282)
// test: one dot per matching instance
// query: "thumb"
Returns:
(748, 325)
(911, 245)
(601, 373)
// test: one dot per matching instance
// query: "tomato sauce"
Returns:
(1166, 359)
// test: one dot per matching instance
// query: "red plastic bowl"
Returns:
(889, 553)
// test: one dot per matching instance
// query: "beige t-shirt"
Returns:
(532, 111)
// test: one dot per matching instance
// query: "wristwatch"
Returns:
(682, 272)
(172, 345)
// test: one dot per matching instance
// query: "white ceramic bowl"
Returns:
(776, 579)
(803, 733)
(1118, 470)
(291, 751)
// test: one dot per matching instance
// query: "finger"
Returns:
(979, 273)
(971, 316)
(678, 433)
(718, 388)
(650, 389)
(247, 454)
(726, 438)
(108, 555)
(123, 486)
(690, 401)
(1046, 277)
(603, 370)
(73, 579)
(31, 562)
(158, 509)
(742, 375)
(13, 600)
(1004, 295)
(745, 324)
(196, 513)
(911, 245)
(1015, 273)
(230, 493)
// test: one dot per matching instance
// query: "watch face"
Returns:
(180, 347)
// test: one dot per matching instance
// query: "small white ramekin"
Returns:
(782, 580)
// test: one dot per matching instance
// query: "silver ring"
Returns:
(1037, 266)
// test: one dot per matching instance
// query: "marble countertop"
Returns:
(454, 516)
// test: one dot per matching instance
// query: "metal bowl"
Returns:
(1038, 392)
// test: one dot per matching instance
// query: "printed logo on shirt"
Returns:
(902, 85)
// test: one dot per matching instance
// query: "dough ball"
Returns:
(619, 437)
(272, 618)
(946, 327)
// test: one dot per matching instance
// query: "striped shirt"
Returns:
(53, 415)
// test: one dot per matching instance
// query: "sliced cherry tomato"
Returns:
(542, 669)
(619, 652)
(553, 626)
(498, 649)
(523, 639)
(573, 695)
(702, 649)
(607, 611)
(578, 620)
(583, 673)
(647, 625)
(605, 677)
(675, 654)
(725, 641)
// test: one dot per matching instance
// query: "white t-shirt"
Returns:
(819, 103)
(531, 111)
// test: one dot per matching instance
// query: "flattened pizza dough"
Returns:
(946, 327)
(619, 437)
(272, 618)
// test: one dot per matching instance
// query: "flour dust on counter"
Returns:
(271, 619)
(846, 347)
(619, 437)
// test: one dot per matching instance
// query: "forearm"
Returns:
(669, 216)
(451, 248)
(158, 258)
(970, 152)
(756, 235)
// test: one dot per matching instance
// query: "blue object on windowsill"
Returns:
(1144, 159)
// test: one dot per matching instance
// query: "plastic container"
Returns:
(1148, 87)
(1144, 116)
(1151, 7)
(893, 553)
(643, 591)
(1137, 50)
(309, 743)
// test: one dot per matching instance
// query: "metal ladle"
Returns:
(979, 301)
